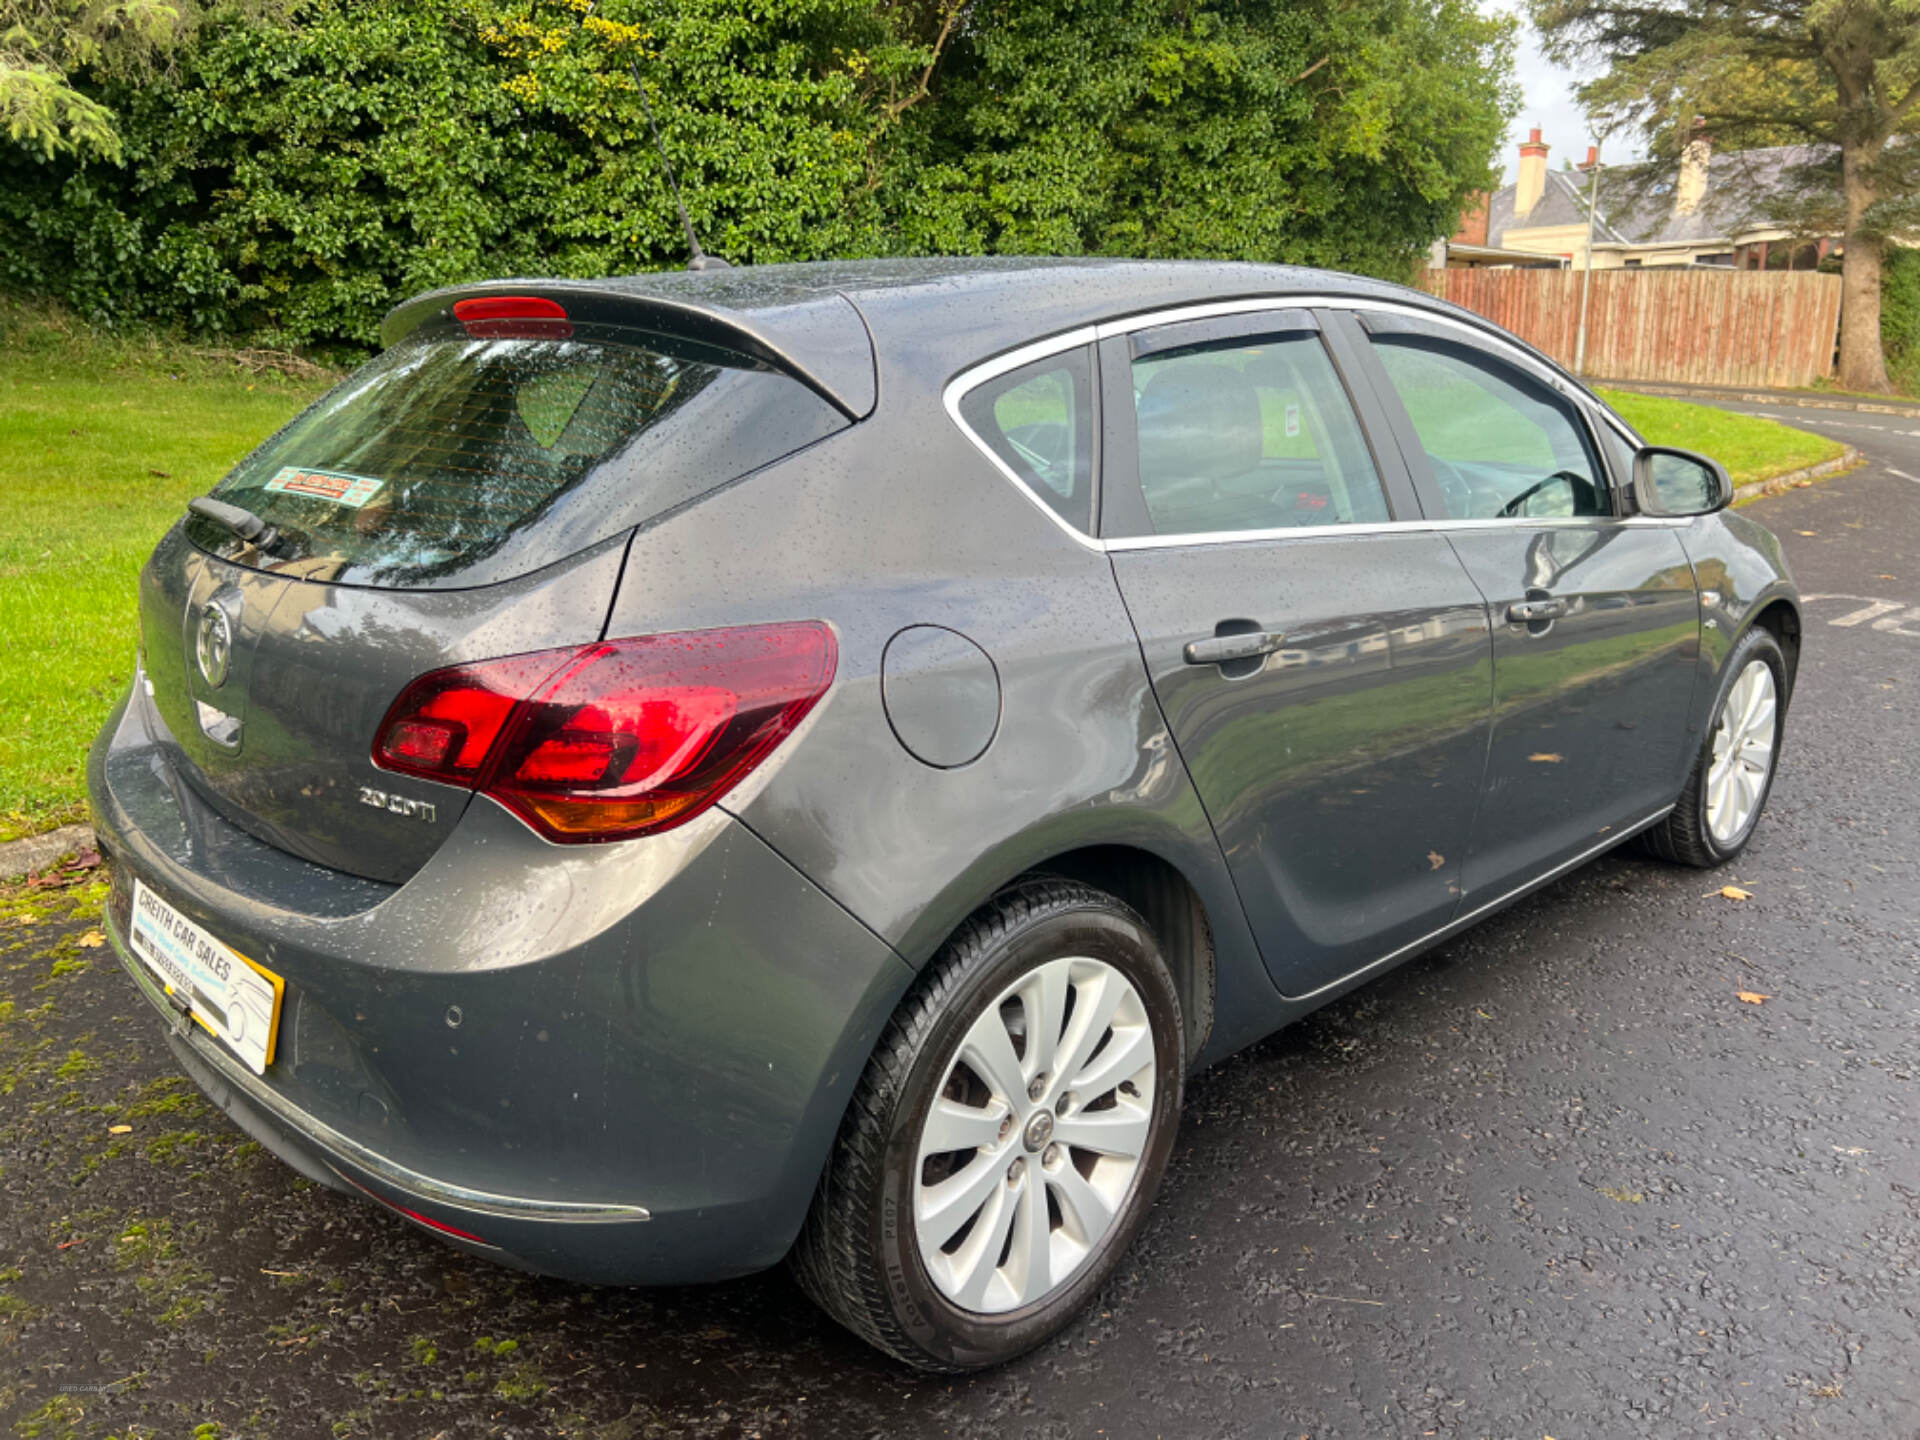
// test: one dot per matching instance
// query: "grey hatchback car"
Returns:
(651, 777)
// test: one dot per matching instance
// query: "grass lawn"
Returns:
(103, 445)
(1750, 448)
(105, 441)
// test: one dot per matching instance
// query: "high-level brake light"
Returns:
(513, 317)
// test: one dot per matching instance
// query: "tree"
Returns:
(1839, 73)
(42, 42)
(292, 181)
(1345, 133)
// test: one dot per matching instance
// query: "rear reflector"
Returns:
(414, 1215)
(513, 317)
(616, 739)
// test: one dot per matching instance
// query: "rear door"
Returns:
(1596, 621)
(1325, 671)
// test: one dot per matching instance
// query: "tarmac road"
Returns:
(1556, 1178)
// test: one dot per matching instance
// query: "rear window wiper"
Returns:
(244, 523)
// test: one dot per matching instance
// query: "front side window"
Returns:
(1251, 435)
(1502, 445)
(1039, 421)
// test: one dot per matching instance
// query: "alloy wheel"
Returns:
(1035, 1135)
(1743, 745)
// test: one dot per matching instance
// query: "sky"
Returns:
(1549, 103)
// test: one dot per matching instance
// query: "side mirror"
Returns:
(1678, 482)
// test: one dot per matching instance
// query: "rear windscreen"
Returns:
(455, 461)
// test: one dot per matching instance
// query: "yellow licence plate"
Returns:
(234, 1000)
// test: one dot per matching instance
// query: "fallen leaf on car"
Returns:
(1546, 758)
(1734, 892)
(119, 1129)
(92, 940)
(1753, 997)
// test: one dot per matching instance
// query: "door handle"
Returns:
(1224, 649)
(1522, 612)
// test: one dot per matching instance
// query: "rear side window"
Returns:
(1039, 421)
(455, 461)
(1251, 435)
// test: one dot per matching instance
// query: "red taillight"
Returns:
(445, 724)
(622, 738)
(513, 317)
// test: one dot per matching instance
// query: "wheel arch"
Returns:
(1172, 908)
(1781, 616)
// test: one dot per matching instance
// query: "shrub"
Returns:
(1900, 316)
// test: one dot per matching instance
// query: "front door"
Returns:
(1595, 617)
(1326, 674)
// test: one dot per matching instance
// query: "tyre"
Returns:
(1733, 774)
(1007, 1138)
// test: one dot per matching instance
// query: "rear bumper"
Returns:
(620, 1064)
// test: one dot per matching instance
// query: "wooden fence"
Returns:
(1693, 325)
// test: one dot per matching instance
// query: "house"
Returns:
(1717, 210)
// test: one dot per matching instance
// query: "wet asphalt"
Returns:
(1556, 1178)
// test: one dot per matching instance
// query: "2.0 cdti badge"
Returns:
(652, 777)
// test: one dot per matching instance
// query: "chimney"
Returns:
(1692, 186)
(1593, 159)
(1533, 175)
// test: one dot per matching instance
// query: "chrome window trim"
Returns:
(1393, 527)
(967, 380)
(976, 375)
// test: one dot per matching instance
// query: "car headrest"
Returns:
(1198, 421)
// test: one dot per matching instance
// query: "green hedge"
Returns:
(292, 181)
(1900, 316)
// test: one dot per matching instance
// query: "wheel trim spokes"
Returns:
(1742, 755)
(1038, 1129)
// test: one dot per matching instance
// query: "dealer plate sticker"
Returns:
(335, 485)
(235, 1000)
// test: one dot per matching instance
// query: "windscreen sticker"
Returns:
(334, 485)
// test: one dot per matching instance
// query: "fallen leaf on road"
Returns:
(1734, 892)
(1806, 532)
(92, 940)
(1435, 859)
(1545, 759)
(1753, 997)
(1886, 577)
(119, 1129)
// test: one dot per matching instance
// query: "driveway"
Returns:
(1556, 1178)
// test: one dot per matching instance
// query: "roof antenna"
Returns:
(699, 259)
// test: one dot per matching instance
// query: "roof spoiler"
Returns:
(820, 340)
